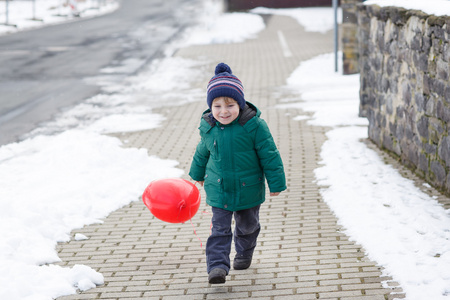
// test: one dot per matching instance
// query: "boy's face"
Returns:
(225, 110)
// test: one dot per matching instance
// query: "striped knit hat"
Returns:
(224, 84)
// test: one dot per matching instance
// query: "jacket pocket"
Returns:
(252, 189)
(213, 185)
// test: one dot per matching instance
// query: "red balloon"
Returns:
(172, 200)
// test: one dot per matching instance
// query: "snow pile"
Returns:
(219, 28)
(129, 107)
(431, 7)
(52, 184)
(403, 229)
(334, 98)
(104, 114)
(58, 281)
(316, 19)
(170, 82)
(228, 28)
(46, 12)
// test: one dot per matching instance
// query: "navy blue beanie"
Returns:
(225, 84)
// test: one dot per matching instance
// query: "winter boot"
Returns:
(217, 275)
(242, 263)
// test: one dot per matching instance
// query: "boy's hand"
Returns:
(274, 194)
(201, 182)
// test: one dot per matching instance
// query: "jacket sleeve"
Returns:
(270, 158)
(198, 165)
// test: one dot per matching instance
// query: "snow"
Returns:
(67, 174)
(333, 105)
(431, 7)
(314, 19)
(130, 106)
(228, 29)
(55, 184)
(21, 14)
(80, 237)
(216, 27)
(400, 227)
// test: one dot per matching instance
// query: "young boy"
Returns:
(234, 157)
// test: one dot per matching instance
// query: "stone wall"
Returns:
(404, 59)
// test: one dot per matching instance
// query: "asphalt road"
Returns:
(47, 70)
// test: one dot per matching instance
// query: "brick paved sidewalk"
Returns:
(301, 252)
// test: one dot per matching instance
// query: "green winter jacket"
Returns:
(233, 161)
